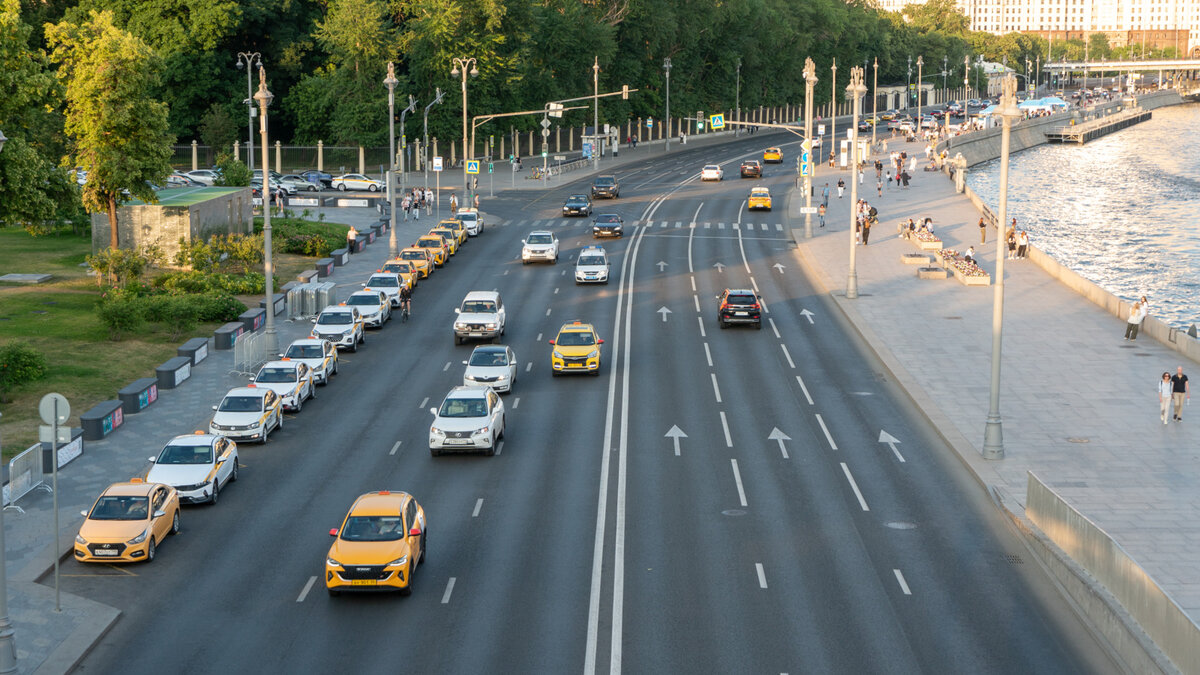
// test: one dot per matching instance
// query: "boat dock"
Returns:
(1082, 133)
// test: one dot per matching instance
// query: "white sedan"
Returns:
(355, 181)
(295, 183)
(197, 465)
(711, 172)
(492, 366)
(291, 380)
(205, 176)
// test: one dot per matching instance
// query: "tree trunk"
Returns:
(113, 242)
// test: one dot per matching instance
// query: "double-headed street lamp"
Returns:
(264, 98)
(854, 92)
(875, 103)
(908, 91)
(460, 66)
(390, 82)
(833, 111)
(8, 645)
(810, 81)
(425, 140)
(249, 61)
(667, 118)
(737, 95)
(920, 65)
(993, 435)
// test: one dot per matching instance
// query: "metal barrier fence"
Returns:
(249, 352)
(25, 475)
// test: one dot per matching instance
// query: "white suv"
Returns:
(481, 315)
(387, 282)
(372, 305)
(471, 221)
(592, 266)
(471, 418)
(340, 324)
(539, 245)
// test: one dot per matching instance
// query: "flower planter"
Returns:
(971, 280)
(928, 245)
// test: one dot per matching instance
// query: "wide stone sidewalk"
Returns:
(1078, 403)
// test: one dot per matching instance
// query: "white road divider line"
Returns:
(307, 588)
(804, 389)
(539, 337)
(697, 299)
(774, 329)
(693, 284)
(423, 402)
(446, 367)
(786, 354)
(725, 426)
(754, 284)
(708, 355)
(762, 575)
(529, 365)
(516, 402)
(737, 478)
(499, 447)
(828, 436)
(700, 319)
(901, 581)
(548, 309)
(854, 486)
(449, 590)
(395, 448)
(478, 505)
(716, 387)
(556, 291)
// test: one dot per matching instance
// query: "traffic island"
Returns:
(139, 394)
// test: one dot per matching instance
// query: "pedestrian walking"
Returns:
(406, 205)
(428, 202)
(1022, 244)
(866, 228)
(635, 140)
(821, 213)
(841, 186)
(1010, 238)
(879, 186)
(1135, 320)
(1179, 392)
(476, 202)
(351, 238)
(860, 174)
(453, 203)
(1165, 391)
(825, 195)
(904, 178)
(982, 231)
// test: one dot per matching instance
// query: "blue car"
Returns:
(319, 177)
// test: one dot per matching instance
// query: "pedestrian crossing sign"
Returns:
(717, 121)
(472, 166)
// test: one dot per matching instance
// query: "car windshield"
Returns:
(430, 243)
(373, 528)
(335, 318)
(608, 218)
(463, 407)
(305, 352)
(741, 300)
(489, 359)
(575, 338)
(478, 307)
(276, 375)
(383, 282)
(186, 454)
(591, 260)
(540, 239)
(605, 181)
(125, 507)
(412, 255)
(241, 404)
(576, 199)
(363, 300)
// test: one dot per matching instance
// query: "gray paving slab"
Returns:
(1067, 377)
(18, 278)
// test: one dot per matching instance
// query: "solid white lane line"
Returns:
(691, 235)
(516, 402)
(789, 356)
(708, 355)
(754, 284)
(697, 299)
(774, 329)
(700, 319)
(423, 402)
(737, 478)
(725, 426)
(449, 590)
(742, 247)
(395, 448)
(828, 436)
(804, 389)
(902, 582)
(528, 366)
(716, 388)
(854, 486)
(693, 283)
(307, 588)
(446, 367)
(500, 447)
(478, 505)
(762, 575)
(548, 309)
(539, 337)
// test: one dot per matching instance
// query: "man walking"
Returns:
(841, 186)
(821, 213)
(825, 195)
(1179, 392)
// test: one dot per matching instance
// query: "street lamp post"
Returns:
(250, 61)
(390, 82)
(966, 85)
(907, 94)
(667, 117)
(993, 435)
(8, 645)
(810, 81)
(595, 112)
(437, 98)
(920, 65)
(461, 65)
(875, 103)
(737, 95)
(854, 92)
(264, 98)
(833, 109)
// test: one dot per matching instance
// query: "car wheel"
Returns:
(335, 367)
(312, 390)
(424, 546)
(216, 491)
(554, 261)
(555, 373)
(722, 323)
(175, 523)
(312, 188)
(342, 187)
(373, 188)
(490, 451)
(233, 475)
(279, 420)
(299, 403)
(354, 346)
(458, 340)
(407, 590)
(758, 326)
(150, 550)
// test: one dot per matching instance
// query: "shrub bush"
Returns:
(217, 307)
(304, 237)
(177, 313)
(121, 315)
(194, 282)
(19, 363)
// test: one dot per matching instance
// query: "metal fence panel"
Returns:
(249, 352)
(25, 474)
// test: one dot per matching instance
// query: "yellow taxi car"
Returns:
(760, 198)
(379, 545)
(421, 259)
(128, 522)
(773, 155)
(446, 233)
(576, 349)
(404, 269)
(435, 244)
(455, 226)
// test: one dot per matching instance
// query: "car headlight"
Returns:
(402, 560)
(80, 540)
(557, 355)
(347, 333)
(434, 431)
(140, 538)
(490, 326)
(594, 355)
(501, 377)
(480, 432)
(190, 488)
(332, 563)
(460, 326)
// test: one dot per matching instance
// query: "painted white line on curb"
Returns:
(716, 387)
(478, 505)
(737, 478)
(725, 426)
(708, 355)
(774, 329)
(804, 389)
(395, 448)
(449, 590)
(307, 588)
(787, 355)
(762, 575)
(828, 436)
(903, 583)
(861, 502)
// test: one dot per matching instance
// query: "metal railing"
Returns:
(25, 475)
(249, 352)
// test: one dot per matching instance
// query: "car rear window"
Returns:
(742, 300)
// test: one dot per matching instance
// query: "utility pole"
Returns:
(854, 92)
(810, 81)
(250, 61)
(920, 65)
(833, 113)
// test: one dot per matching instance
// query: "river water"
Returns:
(1122, 210)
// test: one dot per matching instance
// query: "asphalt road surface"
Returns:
(778, 536)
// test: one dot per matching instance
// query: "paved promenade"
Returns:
(1078, 402)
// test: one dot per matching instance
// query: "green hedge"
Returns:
(195, 282)
(305, 237)
(177, 313)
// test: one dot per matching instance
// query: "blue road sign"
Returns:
(472, 166)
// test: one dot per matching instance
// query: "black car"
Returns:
(608, 225)
(738, 305)
(577, 205)
(606, 186)
(751, 168)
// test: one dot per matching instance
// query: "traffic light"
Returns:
(625, 92)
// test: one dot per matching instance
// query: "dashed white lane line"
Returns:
(902, 582)
(478, 505)
(530, 364)
(804, 389)
(539, 337)
(708, 355)
(449, 590)
(774, 329)
(446, 367)
(423, 402)
(716, 387)
(556, 291)
(828, 436)
(395, 448)
(725, 426)
(548, 309)
(737, 478)
(516, 402)
(787, 355)
(700, 319)
(762, 575)
(854, 486)
(307, 588)
(564, 273)
(697, 299)
(499, 447)
(693, 284)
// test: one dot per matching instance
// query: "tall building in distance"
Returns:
(1154, 24)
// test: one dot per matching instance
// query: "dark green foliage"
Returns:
(19, 364)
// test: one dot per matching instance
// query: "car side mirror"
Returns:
(550, 341)
(313, 321)
(83, 513)
(465, 363)
(600, 341)
(415, 532)
(363, 285)
(333, 532)
(522, 241)
(214, 407)
(159, 513)
(433, 411)
(281, 356)
(457, 310)
(152, 459)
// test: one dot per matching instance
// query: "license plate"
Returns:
(741, 313)
(457, 441)
(107, 551)
(364, 582)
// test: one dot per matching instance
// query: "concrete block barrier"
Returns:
(279, 303)
(253, 319)
(340, 256)
(324, 267)
(195, 349)
(102, 419)
(225, 336)
(174, 372)
(139, 394)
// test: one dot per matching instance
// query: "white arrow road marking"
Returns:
(720, 268)
(778, 266)
(664, 311)
(777, 435)
(307, 588)
(885, 437)
(661, 265)
(675, 433)
(808, 315)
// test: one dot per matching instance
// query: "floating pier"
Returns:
(1082, 133)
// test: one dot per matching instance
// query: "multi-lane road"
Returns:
(717, 501)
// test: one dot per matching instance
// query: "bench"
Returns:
(379, 228)
(280, 303)
(195, 349)
(371, 234)
(174, 372)
(306, 277)
(139, 394)
(101, 420)
(226, 335)
(360, 243)
(67, 450)
(253, 319)
(340, 256)
(324, 267)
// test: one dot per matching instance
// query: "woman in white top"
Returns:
(1164, 396)
(1136, 315)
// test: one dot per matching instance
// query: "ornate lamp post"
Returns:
(875, 104)
(993, 435)
(264, 98)
(461, 65)
(854, 92)
(250, 61)
(833, 109)
(920, 65)
(810, 81)
(667, 117)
